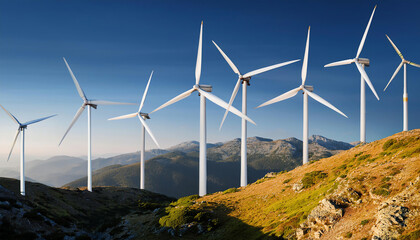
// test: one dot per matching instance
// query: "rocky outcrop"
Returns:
(321, 219)
(389, 219)
(328, 212)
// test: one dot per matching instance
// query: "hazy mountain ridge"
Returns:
(176, 173)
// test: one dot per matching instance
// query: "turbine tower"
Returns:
(21, 128)
(405, 95)
(89, 104)
(142, 117)
(244, 80)
(361, 63)
(204, 92)
(307, 90)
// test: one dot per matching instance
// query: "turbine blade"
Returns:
(365, 34)
(224, 105)
(323, 101)
(10, 115)
(199, 57)
(282, 97)
(265, 69)
(79, 89)
(13, 145)
(148, 130)
(175, 99)
(234, 68)
(38, 120)
(414, 64)
(395, 47)
(102, 102)
(366, 78)
(131, 115)
(395, 73)
(78, 113)
(339, 63)
(145, 92)
(305, 59)
(232, 98)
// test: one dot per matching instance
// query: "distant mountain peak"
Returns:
(329, 143)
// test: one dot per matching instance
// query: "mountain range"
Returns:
(175, 173)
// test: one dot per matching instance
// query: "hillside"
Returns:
(52, 213)
(371, 191)
(176, 173)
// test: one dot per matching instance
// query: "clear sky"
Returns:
(112, 46)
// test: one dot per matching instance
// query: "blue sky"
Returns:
(112, 46)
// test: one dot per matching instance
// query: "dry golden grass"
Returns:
(272, 205)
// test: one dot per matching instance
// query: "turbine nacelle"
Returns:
(309, 88)
(144, 115)
(363, 61)
(206, 88)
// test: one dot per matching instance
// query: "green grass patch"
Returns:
(411, 236)
(388, 144)
(230, 190)
(312, 178)
(381, 192)
(364, 222)
(411, 152)
(287, 180)
(395, 171)
(348, 235)
(385, 179)
(363, 157)
(296, 207)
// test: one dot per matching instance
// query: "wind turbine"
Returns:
(204, 92)
(21, 128)
(142, 117)
(307, 90)
(360, 64)
(89, 104)
(244, 79)
(405, 95)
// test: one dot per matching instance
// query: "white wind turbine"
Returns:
(142, 117)
(244, 79)
(21, 128)
(204, 92)
(405, 95)
(89, 104)
(360, 64)
(307, 90)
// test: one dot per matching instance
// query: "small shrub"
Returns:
(312, 178)
(380, 192)
(343, 176)
(363, 157)
(388, 144)
(364, 222)
(177, 217)
(386, 186)
(395, 171)
(230, 190)
(287, 180)
(348, 235)
(358, 154)
(385, 179)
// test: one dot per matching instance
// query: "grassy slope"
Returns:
(272, 208)
(87, 211)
